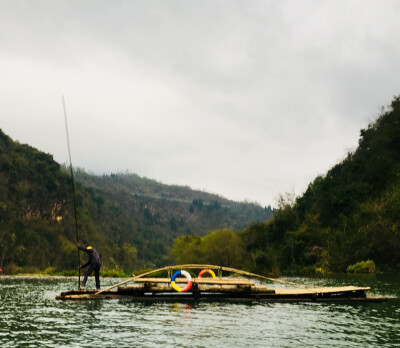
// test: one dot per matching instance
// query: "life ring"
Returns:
(189, 281)
(207, 271)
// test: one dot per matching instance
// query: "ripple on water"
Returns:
(30, 316)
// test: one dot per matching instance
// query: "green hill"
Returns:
(351, 214)
(131, 220)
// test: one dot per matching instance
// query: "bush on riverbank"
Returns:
(362, 267)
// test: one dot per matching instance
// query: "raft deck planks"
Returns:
(153, 291)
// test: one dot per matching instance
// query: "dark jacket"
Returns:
(94, 257)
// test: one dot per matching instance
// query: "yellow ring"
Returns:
(207, 271)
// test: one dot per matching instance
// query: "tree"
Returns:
(187, 249)
(223, 247)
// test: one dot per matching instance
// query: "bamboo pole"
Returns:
(196, 281)
(131, 279)
(73, 191)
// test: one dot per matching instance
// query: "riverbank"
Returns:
(66, 273)
(49, 272)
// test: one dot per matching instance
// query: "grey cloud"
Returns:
(245, 99)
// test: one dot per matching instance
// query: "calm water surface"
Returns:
(31, 317)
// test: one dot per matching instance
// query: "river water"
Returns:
(30, 316)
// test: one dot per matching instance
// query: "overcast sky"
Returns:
(246, 99)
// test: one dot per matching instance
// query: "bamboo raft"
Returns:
(153, 288)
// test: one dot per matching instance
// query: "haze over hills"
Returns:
(131, 220)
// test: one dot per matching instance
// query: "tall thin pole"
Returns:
(73, 189)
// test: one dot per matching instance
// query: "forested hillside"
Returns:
(131, 220)
(150, 215)
(350, 215)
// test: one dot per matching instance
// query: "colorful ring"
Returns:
(188, 285)
(207, 271)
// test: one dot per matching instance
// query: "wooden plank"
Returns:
(131, 279)
(326, 290)
(197, 281)
(141, 288)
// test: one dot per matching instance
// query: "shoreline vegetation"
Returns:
(364, 267)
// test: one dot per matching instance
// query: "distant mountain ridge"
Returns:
(131, 220)
(159, 213)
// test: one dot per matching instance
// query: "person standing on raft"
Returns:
(94, 264)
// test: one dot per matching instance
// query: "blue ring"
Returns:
(175, 275)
